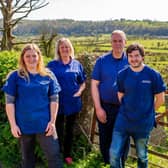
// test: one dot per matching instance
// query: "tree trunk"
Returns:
(6, 43)
(7, 38)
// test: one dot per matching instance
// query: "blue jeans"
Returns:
(105, 132)
(117, 148)
(49, 145)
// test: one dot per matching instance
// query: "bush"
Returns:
(8, 62)
(8, 144)
(9, 155)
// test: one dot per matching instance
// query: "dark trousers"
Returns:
(65, 129)
(49, 145)
(105, 132)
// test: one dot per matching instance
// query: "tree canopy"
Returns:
(72, 27)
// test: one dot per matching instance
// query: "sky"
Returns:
(98, 10)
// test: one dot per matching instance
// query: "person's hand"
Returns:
(50, 129)
(158, 117)
(77, 94)
(15, 131)
(101, 115)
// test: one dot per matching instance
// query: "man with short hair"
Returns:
(104, 90)
(141, 92)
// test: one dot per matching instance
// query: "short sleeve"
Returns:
(10, 86)
(50, 65)
(54, 87)
(159, 85)
(96, 70)
(82, 75)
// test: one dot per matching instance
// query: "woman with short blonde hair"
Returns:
(71, 77)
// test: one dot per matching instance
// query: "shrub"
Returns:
(8, 144)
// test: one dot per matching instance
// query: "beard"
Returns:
(136, 65)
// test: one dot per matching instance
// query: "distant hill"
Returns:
(72, 27)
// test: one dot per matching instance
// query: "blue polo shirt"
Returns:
(70, 76)
(137, 111)
(32, 106)
(105, 71)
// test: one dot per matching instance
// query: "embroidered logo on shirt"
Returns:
(44, 82)
(146, 81)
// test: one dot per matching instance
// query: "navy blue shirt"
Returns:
(70, 76)
(137, 111)
(105, 71)
(32, 106)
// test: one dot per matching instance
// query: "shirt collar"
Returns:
(61, 63)
(124, 56)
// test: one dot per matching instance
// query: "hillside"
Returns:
(72, 27)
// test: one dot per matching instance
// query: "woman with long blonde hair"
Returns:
(31, 105)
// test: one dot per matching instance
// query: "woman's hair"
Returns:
(23, 72)
(58, 43)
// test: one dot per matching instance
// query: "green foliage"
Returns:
(8, 62)
(81, 147)
(9, 155)
(92, 160)
(8, 144)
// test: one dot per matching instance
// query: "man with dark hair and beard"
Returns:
(141, 92)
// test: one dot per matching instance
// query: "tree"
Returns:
(13, 11)
(46, 43)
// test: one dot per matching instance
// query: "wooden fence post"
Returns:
(166, 100)
(166, 103)
(93, 126)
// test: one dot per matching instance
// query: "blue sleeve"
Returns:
(10, 86)
(50, 66)
(54, 87)
(82, 75)
(159, 85)
(96, 70)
